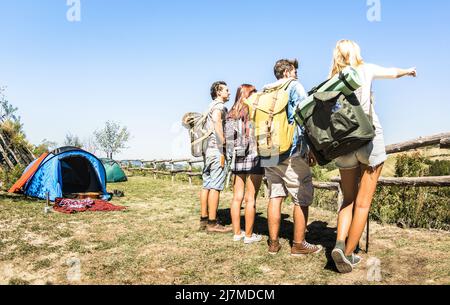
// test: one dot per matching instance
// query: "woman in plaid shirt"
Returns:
(246, 169)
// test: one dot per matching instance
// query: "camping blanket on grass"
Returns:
(70, 206)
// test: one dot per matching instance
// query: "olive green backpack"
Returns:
(334, 122)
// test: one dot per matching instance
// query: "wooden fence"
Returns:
(443, 140)
(152, 167)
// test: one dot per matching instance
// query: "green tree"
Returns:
(90, 145)
(112, 138)
(44, 147)
(7, 111)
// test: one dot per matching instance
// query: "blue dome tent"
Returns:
(66, 171)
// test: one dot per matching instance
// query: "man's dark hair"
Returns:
(284, 65)
(216, 87)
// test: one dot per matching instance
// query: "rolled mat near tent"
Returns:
(114, 173)
(62, 173)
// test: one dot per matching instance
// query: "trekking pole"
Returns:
(367, 234)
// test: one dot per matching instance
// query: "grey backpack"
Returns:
(199, 132)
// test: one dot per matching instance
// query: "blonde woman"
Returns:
(361, 169)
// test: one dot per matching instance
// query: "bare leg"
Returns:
(364, 199)
(350, 181)
(253, 185)
(274, 217)
(213, 204)
(204, 203)
(300, 221)
(236, 204)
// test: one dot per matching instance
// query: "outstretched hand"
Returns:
(412, 72)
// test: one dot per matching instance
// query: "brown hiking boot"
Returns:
(216, 227)
(274, 247)
(305, 248)
(203, 224)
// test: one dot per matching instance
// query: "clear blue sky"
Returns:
(146, 63)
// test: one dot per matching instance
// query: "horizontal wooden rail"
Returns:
(440, 139)
(331, 186)
(194, 174)
(411, 181)
(171, 171)
(445, 143)
(443, 140)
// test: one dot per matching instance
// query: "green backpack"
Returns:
(335, 123)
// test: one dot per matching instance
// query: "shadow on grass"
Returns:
(17, 198)
(318, 232)
(260, 226)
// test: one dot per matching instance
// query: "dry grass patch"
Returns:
(156, 241)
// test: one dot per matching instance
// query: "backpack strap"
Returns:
(202, 121)
(212, 107)
(209, 113)
(316, 88)
(358, 93)
(288, 83)
(255, 105)
(270, 121)
(272, 109)
(371, 107)
(344, 80)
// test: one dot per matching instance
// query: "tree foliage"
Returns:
(90, 145)
(72, 140)
(7, 111)
(415, 207)
(45, 146)
(112, 138)
(439, 168)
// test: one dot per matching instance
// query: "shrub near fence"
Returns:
(417, 207)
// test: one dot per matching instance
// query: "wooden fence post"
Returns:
(190, 170)
(227, 185)
(266, 189)
(172, 166)
(340, 200)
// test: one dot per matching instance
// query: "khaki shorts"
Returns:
(292, 177)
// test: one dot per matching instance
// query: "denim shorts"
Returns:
(214, 175)
(372, 155)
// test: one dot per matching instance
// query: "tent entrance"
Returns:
(79, 176)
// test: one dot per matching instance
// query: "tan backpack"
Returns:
(268, 112)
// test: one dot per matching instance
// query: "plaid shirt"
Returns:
(251, 161)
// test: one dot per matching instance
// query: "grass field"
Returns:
(156, 241)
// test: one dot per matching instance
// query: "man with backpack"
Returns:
(214, 171)
(284, 154)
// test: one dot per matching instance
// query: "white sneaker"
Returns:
(254, 239)
(239, 237)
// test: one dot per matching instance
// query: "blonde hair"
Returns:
(347, 53)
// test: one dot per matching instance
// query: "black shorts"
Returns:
(254, 171)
